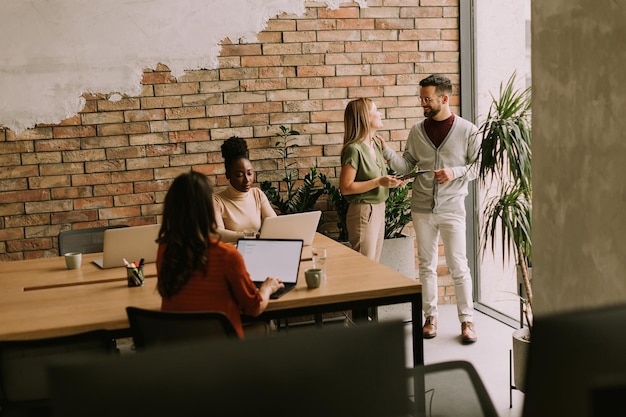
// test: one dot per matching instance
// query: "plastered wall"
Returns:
(579, 153)
(54, 51)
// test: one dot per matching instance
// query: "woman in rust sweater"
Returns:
(196, 271)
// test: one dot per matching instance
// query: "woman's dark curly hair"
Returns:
(188, 222)
(233, 149)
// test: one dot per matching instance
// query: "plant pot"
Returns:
(521, 345)
(399, 253)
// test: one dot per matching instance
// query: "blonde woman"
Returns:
(364, 181)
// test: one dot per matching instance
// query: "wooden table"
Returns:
(41, 298)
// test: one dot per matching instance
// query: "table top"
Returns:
(42, 298)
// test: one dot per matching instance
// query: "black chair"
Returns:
(451, 388)
(24, 389)
(154, 328)
(333, 372)
(84, 240)
(576, 365)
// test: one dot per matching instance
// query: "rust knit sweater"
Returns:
(226, 287)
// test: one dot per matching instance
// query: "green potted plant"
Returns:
(296, 199)
(505, 166)
(397, 210)
(398, 249)
(339, 204)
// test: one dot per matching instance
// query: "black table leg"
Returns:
(418, 337)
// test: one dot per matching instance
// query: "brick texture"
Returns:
(112, 163)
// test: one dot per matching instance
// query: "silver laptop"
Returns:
(130, 243)
(292, 226)
(278, 258)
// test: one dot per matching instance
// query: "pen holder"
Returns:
(134, 275)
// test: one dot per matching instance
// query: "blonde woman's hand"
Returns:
(391, 181)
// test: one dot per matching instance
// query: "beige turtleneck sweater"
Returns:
(236, 211)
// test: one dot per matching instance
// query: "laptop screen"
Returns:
(278, 258)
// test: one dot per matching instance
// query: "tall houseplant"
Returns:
(397, 209)
(296, 199)
(505, 163)
(398, 250)
(339, 203)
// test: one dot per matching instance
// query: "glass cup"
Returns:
(250, 234)
(319, 260)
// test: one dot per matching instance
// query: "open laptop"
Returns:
(130, 243)
(292, 226)
(278, 258)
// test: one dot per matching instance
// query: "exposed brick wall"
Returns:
(113, 162)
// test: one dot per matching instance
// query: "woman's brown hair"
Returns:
(187, 225)
(356, 120)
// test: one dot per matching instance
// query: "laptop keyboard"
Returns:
(278, 293)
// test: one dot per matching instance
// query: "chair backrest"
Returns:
(451, 388)
(83, 240)
(154, 328)
(24, 365)
(331, 372)
(576, 364)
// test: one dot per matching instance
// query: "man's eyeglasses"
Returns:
(427, 99)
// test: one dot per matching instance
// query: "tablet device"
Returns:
(412, 175)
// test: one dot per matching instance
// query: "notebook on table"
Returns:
(278, 258)
(130, 243)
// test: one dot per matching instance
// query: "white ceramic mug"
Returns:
(73, 260)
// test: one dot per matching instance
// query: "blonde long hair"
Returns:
(356, 120)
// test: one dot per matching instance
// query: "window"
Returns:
(495, 42)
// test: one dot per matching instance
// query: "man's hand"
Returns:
(391, 181)
(443, 176)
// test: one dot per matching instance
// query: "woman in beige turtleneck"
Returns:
(240, 206)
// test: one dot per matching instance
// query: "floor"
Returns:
(489, 355)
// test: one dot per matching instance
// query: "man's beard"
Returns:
(431, 113)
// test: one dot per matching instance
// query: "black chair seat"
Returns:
(24, 363)
(154, 328)
(451, 388)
